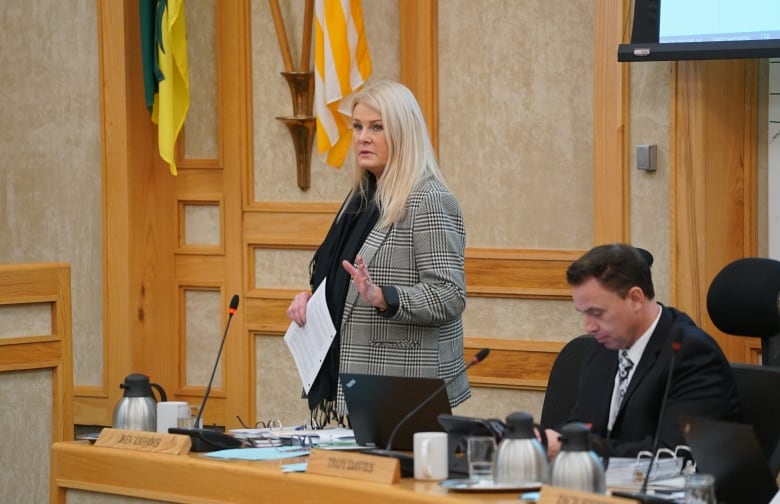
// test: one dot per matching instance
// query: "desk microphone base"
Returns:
(644, 498)
(207, 440)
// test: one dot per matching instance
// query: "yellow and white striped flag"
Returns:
(341, 66)
(173, 99)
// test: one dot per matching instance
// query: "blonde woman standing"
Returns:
(393, 258)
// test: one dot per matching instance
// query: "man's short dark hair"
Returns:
(617, 267)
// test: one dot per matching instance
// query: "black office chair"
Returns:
(562, 385)
(758, 390)
(744, 300)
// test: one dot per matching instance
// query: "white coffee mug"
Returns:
(169, 413)
(430, 456)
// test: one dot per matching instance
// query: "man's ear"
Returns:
(636, 296)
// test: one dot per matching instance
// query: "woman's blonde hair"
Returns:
(410, 156)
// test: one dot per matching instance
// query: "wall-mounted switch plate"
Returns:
(647, 157)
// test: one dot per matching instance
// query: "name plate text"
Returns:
(156, 442)
(354, 465)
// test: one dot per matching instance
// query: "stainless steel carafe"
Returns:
(137, 410)
(577, 466)
(520, 458)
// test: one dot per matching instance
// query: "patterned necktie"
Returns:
(624, 368)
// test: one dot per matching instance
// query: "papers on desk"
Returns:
(269, 453)
(626, 473)
(309, 344)
(326, 439)
(631, 471)
(287, 443)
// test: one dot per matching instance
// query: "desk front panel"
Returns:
(195, 478)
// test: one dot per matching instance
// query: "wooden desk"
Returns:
(194, 478)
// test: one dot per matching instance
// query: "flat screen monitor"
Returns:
(668, 30)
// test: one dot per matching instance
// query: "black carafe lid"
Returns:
(576, 437)
(519, 425)
(137, 385)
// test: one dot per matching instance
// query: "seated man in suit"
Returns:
(613, 289)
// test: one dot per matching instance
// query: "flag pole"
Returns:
(281, 34)
(308, 16)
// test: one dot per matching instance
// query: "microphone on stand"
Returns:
(407, 461)
(476, 359)
(205, 440)
(642, 496)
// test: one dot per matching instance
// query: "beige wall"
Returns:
(26, 418)
(515, 145)
(50, 183)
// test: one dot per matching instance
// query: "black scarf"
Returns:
(343, 242)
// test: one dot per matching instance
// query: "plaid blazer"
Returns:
(423, 258)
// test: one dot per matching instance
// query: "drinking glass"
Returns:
(700, 489)
(481, 453)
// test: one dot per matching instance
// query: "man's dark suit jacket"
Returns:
(702, 385)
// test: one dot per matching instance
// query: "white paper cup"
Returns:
(169, 413)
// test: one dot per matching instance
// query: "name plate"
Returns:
(556, 495)
(156, 442)
(354, 465)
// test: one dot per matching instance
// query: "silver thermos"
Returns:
(137, 410)
(520, 458)
(577, 466)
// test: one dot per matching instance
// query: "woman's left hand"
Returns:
(369, 291)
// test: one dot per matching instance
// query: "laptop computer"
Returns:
(730, 452)
(376, 404)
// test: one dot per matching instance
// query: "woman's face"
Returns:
(368, 139)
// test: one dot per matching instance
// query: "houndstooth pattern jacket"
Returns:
(423, 258)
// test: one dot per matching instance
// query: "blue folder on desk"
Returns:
(376, 404)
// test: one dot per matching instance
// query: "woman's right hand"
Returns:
(297, 309)
(553, 443)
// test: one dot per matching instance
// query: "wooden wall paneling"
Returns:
(194, 199)
(512, 364)
(193, 269)
(234, 49)
(139, 223)
(529, 274)
(220, 181)
(287, 226)
(265, 310)
(713, 181)
(419, 46)
(91, 404)
(611, 112)
(47, 283)
(43, 283)
(152, 231)
(193, 393)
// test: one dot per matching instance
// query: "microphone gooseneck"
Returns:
(676, 343)
(642, 496)
(476, 359)
(231, 311)
(204, 440)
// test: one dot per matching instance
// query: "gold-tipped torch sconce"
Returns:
(301, 124)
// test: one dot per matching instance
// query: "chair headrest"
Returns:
(743, 297)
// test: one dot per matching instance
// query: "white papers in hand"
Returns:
(309, 344)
